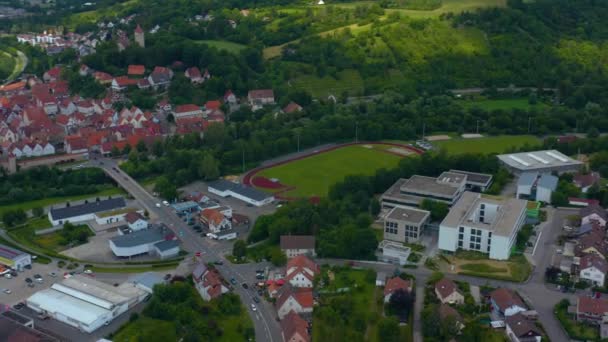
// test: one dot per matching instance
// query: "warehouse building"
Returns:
(152, 241)
(547, 161)
(85, 303)
(14, 258)
(84, 212)
(487, 224)
(244, 193)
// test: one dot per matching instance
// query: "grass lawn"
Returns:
(129, 332)
(7, 64)
(516, 269)
(453, 6)
(45, 202)
(312, 176)
(488, 145)
(504, 104)
(223, 45)
(322, 87)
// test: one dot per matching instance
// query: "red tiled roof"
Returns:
(592, 260)
(506, 298)
(593, 306)
(522, 327)
(396, 283)
(54, 72)
(584, 181)
(161, 70)
(293, 324)
(302, 261)
(193, 72)
(445, 287)
(292, 107)
(187, 108)
(213, 105)
(584, 200)
(261, 93)
(13, 86)
(136, 69)
(124, 81)
(102, 76)
(133, 216)
(138, 29)
(303, 296)
(212, 216)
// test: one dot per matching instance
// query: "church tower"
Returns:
(140, 38)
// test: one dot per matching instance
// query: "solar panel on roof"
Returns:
(537, 158)
(557, 156)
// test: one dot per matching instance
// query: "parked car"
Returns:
(218, 262)
(28, 280)
(166, 203)
(256, 299)
(8, 276)
(7, 291)
(88, 272)
(28, 267)
(158, 205)
(259, 276)
(233, 281)
(253, 308)
(14, 273)
(19, 306)
(43, 316)
(245, 286)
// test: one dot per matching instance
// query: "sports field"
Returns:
(315, 174)
(495, 144)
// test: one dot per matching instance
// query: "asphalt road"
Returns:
(264, 318)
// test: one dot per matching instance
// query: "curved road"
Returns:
(264, 318)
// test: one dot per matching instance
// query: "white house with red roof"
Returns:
(447, 292)
(299, 300)
(301, 271)
(292, 107)
(52, 74)
(7, 135)
(85, 107)
(136, 221)
(75, 145)
(394, 284)
(593, 268)
(103, 77)
(259, 98)
(187, 111)
(211, 106)
(230, 98)
(215, 220)
(122, 82)
(591, 309)
(208, 282)
(67, 107)
(294, 328)
(506, 302)
(194, 75)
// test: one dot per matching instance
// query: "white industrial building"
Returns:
(244, 193)
(84, 212)
(547, 161)
(14, 258)
(84, 302)
(536, 187)
(153, 241)
(482, 223)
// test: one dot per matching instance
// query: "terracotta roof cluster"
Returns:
(594, 239)
(187, 108)
(506, 298)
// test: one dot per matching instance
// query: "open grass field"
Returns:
(223, 45)
(314, 175)
(8, 63)
(488, 145)
(516, 269)
(347, 80)
(503, 104)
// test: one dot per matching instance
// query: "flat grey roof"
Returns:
(475, 177)
(224, 185)
(537, 160)
(509, 212)
(94, 288)
(181, 206)
(166, 245)
(140, 237)
(429, 185)
(10, 253)
(548, 182)
(455, 178)
(88, 208)
(147, 279)
(408, 214)
(527, 178)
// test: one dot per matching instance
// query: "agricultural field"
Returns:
(487, 145)
(314, 175)
(349, 81)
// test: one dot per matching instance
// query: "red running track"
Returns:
(251, 173)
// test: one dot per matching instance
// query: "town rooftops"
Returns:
(10, 253)
(224, 185)
(538, 160)
(592, 260)
(508, 213)
(506, 298)
(297, 242)
(87, 208)
(475, 177)
(408, 214)
(187, 108)
(141, 237)
(592, 306)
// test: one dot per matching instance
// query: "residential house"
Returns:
(521, 329)
(292, 107)
(84, 70)
(136, 221)
(294, 299)
(103, 77)
(215, 220)
(7, 135)
(593, 213)
(294, 328)
(75, 145)
(506, 302)
(67, 107)
(447, 292)
(136, 70)
(187, 111)
(586, 181)
(300, 271)
(194, 75)
(230, 98)
(593, 242)
(52, 74)
(160, 77)
(393, 284)
(211, 106)
(294, 245)
(122, 82)
(260, 98)
(85, 107)
(208, 282)
(591, 309)
(447, 312)
(593, 269)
